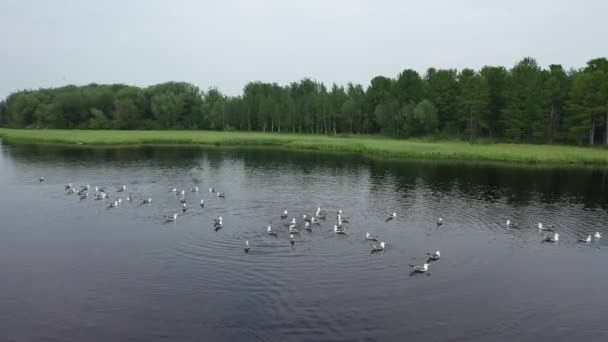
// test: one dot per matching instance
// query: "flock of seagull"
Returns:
(101, 193)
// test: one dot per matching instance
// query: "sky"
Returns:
(228, 43)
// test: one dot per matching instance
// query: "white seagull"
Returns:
(272, 232)
(512, 224)
(597, 235)
(171, 219)
(390, 217)
(554, 238)
(247, 247)
(284, 214)
(434, 256)
(369, 237)
(588, 239)
(376, 248)
(420, 269)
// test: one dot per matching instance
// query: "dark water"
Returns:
(75, 271)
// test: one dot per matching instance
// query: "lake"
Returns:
(74, 270)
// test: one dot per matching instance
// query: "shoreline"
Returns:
(372, 146)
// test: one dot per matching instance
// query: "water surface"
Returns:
(75, 271)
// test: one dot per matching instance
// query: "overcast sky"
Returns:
(228, 43)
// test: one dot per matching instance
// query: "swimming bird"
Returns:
(554, 238)
(170, 219)
(84, 188)
(100, 196)
(369, 237)
(376, 248)
(272, 232)
(70, 191)
(390, 217)
(292, 240)
(597, 235)
(293, 221)
(307, 226)
(113, 204)
(182, 200)
(84, 195)
(305, 218)
(548, 229)
(293, 229)
(339, 230)
(68, 186)
(434, 256)
(512, 224)
(284, 214)
(211, 190)
(202, 203)
(320, 213)
(41, 179)
(121, 188)
(195, 189)
(247, 247)
(146, 201)
(218, 223)
(119, 201)
(342, 219)
(183, 207)
(314, 220)
(439, 222)
(420, 269)
(181, 193)
(172, 189)
(129, 198)
(588, 239)
(221, 195)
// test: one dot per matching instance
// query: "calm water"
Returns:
(75, 271)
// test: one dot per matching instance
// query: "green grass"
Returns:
(368, 145)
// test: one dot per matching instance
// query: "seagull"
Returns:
(597, 235)
(181, 193)
(293, 221)
(307, 226)
(554, 238)
(173, 190)
(211, 190)
(182, 200)
(420, 269)
(247, 247)
(390, 217)
(439, 222)
(84, 195)
(70, 191)
(129, 197)
(100, 196)
(119, 201)
(512, 224)
(68, 186)
(339, 230)
(305, 218)
(320, 213)
(292, 241)
(221, 195)
(588, 239)
(284, 214)
(369, 237)
(314, 220)
(121, 188)
(202, 204)
(183, 207)
(170, 219)
(41, 179)
(548, 229)
(293, 229)
(434, 256)
(219, 223)
(272, 232)
(195, 189)
(376, 248)
(341, 219)
(146, 201)
(113, 204)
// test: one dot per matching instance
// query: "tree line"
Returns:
(525, 103)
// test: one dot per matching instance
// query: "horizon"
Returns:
(229, 44)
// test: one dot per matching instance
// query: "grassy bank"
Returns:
(375, 146)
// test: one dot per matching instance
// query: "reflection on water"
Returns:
(74, 270)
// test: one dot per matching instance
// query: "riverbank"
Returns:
(369, 145)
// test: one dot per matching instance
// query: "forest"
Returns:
(525, 103)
